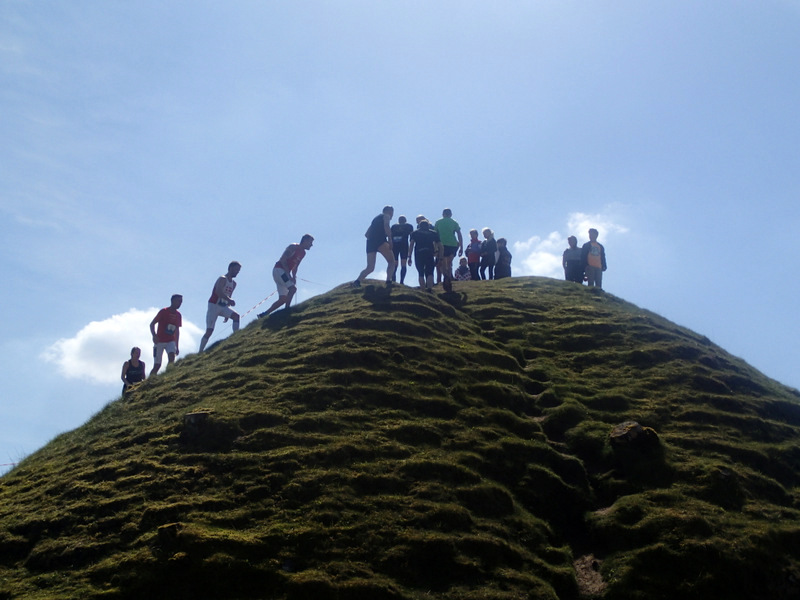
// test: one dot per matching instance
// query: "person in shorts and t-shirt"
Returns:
(167, 336)
(220, 302)
(450, 236)
(400, 232)
(379, 239)
(285, 272)
(426, 249)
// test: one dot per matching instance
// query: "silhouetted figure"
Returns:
(488, 249)
(503, 267)
(593, 257)
(572, 261)
(379, 239)
(400, 232)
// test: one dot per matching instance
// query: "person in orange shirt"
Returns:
(593, 256)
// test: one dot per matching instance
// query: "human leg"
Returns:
(386, 252)
(371, 256)
(205, 338)
(473, 271)
(158, 352)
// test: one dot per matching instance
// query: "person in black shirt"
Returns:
(400, 232)
(379, 239)
(133, 370)
(427, 250)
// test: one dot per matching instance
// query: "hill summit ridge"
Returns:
(520, 438)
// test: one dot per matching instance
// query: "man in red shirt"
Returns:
(285, 272)
(166, 338)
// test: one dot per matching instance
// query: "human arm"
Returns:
(410, 251)
(153, 326)
(460, 242)
(387, 229)
(177, 340)
(125, 366)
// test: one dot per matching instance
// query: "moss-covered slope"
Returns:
(404, 445)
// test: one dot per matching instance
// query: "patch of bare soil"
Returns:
(590, 582)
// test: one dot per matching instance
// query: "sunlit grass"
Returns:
(403, 445)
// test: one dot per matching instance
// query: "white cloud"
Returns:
(542, 256)
(97, 351)
(605, 223)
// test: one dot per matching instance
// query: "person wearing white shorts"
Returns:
(285, 273)
(220, 302)
(167, 337)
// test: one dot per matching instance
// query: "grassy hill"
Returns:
(371, 445)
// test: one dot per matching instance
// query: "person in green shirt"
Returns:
(450, 237)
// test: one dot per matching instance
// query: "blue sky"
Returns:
(146, 145)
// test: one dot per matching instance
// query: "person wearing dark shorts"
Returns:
(450, 237)
(426, 250)
(379, 239)
(400, 232)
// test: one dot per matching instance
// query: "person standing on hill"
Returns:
(593, 258)
(167, 337)
(450, 236)
(379, 239)
(503, 267)
(400, 232)
(284, 273)
(426, 249)
(473, 252)
(133, 370)
(572, 261)
(488, 249)
(220, 302)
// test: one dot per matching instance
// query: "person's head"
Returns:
(488, 233)
(234, 268)
(420, 219)
(447, 213)
(473, 233)
(401, 219)
(136, 352)
(306, 241)
(572, 241)
(463, 262)
(424, 224)
(593, 234)
(388, 210)
(502, 242)
(175, 301)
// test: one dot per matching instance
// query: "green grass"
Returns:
(369, 445)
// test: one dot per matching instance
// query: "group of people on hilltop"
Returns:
(586, 263)
(432, 248)
(165, 326)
